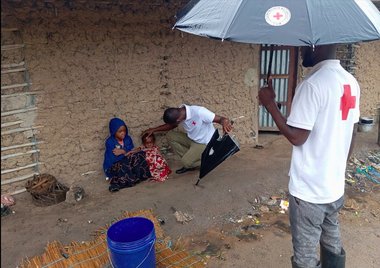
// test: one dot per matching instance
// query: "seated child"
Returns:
(158, 166)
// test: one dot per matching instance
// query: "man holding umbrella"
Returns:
(321, 127)
(325, 107)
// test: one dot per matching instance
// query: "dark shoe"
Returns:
(113, 188)
(183, 170)
(332, 260)
(295, 265)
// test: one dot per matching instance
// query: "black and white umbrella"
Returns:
(218, 149)
(282, 22)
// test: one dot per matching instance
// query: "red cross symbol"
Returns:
(278, 16)
(194, 123)
(347, 102)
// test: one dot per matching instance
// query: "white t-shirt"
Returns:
(198, 123)
(327, 104)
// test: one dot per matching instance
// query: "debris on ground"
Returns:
(363, 172)
(7, 200)
(5, 210)
(161, 221)
(46, 190)
(74, 194)
(183, 217)
(88, 173)
(284, 205)
(351, 204)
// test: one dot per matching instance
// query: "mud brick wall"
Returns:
(92, 65)
(367, 73)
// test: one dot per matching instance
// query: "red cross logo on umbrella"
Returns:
(277, 16)
(347, 102)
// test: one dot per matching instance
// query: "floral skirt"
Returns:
(158, 166)
(130, 170)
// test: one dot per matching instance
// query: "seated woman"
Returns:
(120, 166)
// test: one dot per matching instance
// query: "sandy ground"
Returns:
(223, 207)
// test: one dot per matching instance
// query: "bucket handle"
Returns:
(151, 247)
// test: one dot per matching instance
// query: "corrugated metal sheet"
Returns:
(280, 80)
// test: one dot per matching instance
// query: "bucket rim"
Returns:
(147, 237)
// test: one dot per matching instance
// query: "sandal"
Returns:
(113, 188)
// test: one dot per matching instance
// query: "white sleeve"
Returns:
(206, 115)
(305, 107)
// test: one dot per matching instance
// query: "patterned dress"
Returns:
(158, 166)
(129, 171)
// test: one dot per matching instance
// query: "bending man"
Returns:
(198, 122)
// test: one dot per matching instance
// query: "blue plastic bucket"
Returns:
(131, 243)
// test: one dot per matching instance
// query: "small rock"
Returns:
(264, 209)
(75, 194)
(183, 217)
(272, 202)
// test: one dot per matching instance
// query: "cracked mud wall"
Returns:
(368, 75)
(93, 65)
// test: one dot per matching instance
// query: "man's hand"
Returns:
(226, 124)
(150, 131)
(266, 94)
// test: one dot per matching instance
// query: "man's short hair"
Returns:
(171, 115)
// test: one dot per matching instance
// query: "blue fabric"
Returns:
(111, 143)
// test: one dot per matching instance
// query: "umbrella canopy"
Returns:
(282, 22)
(217, 150)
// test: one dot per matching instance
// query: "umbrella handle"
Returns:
(269, 71)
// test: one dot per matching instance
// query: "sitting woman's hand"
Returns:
(118, 151)
(134, 150)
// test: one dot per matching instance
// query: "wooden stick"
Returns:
(16, 85)
(3, 157)
(19, 191)
(9, 29)
(21, 178)
(8, 124)
(21, 94)
(12, 65)
(20, 145)
(6, 171)
(9, 47)
(18, 111)
(13, 71)
(21, 129)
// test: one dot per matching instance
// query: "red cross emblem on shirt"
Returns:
(194, 123)
(347, 102)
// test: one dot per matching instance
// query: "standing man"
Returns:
(198, 124)
(321, 127)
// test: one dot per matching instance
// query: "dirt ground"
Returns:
(231, 226)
